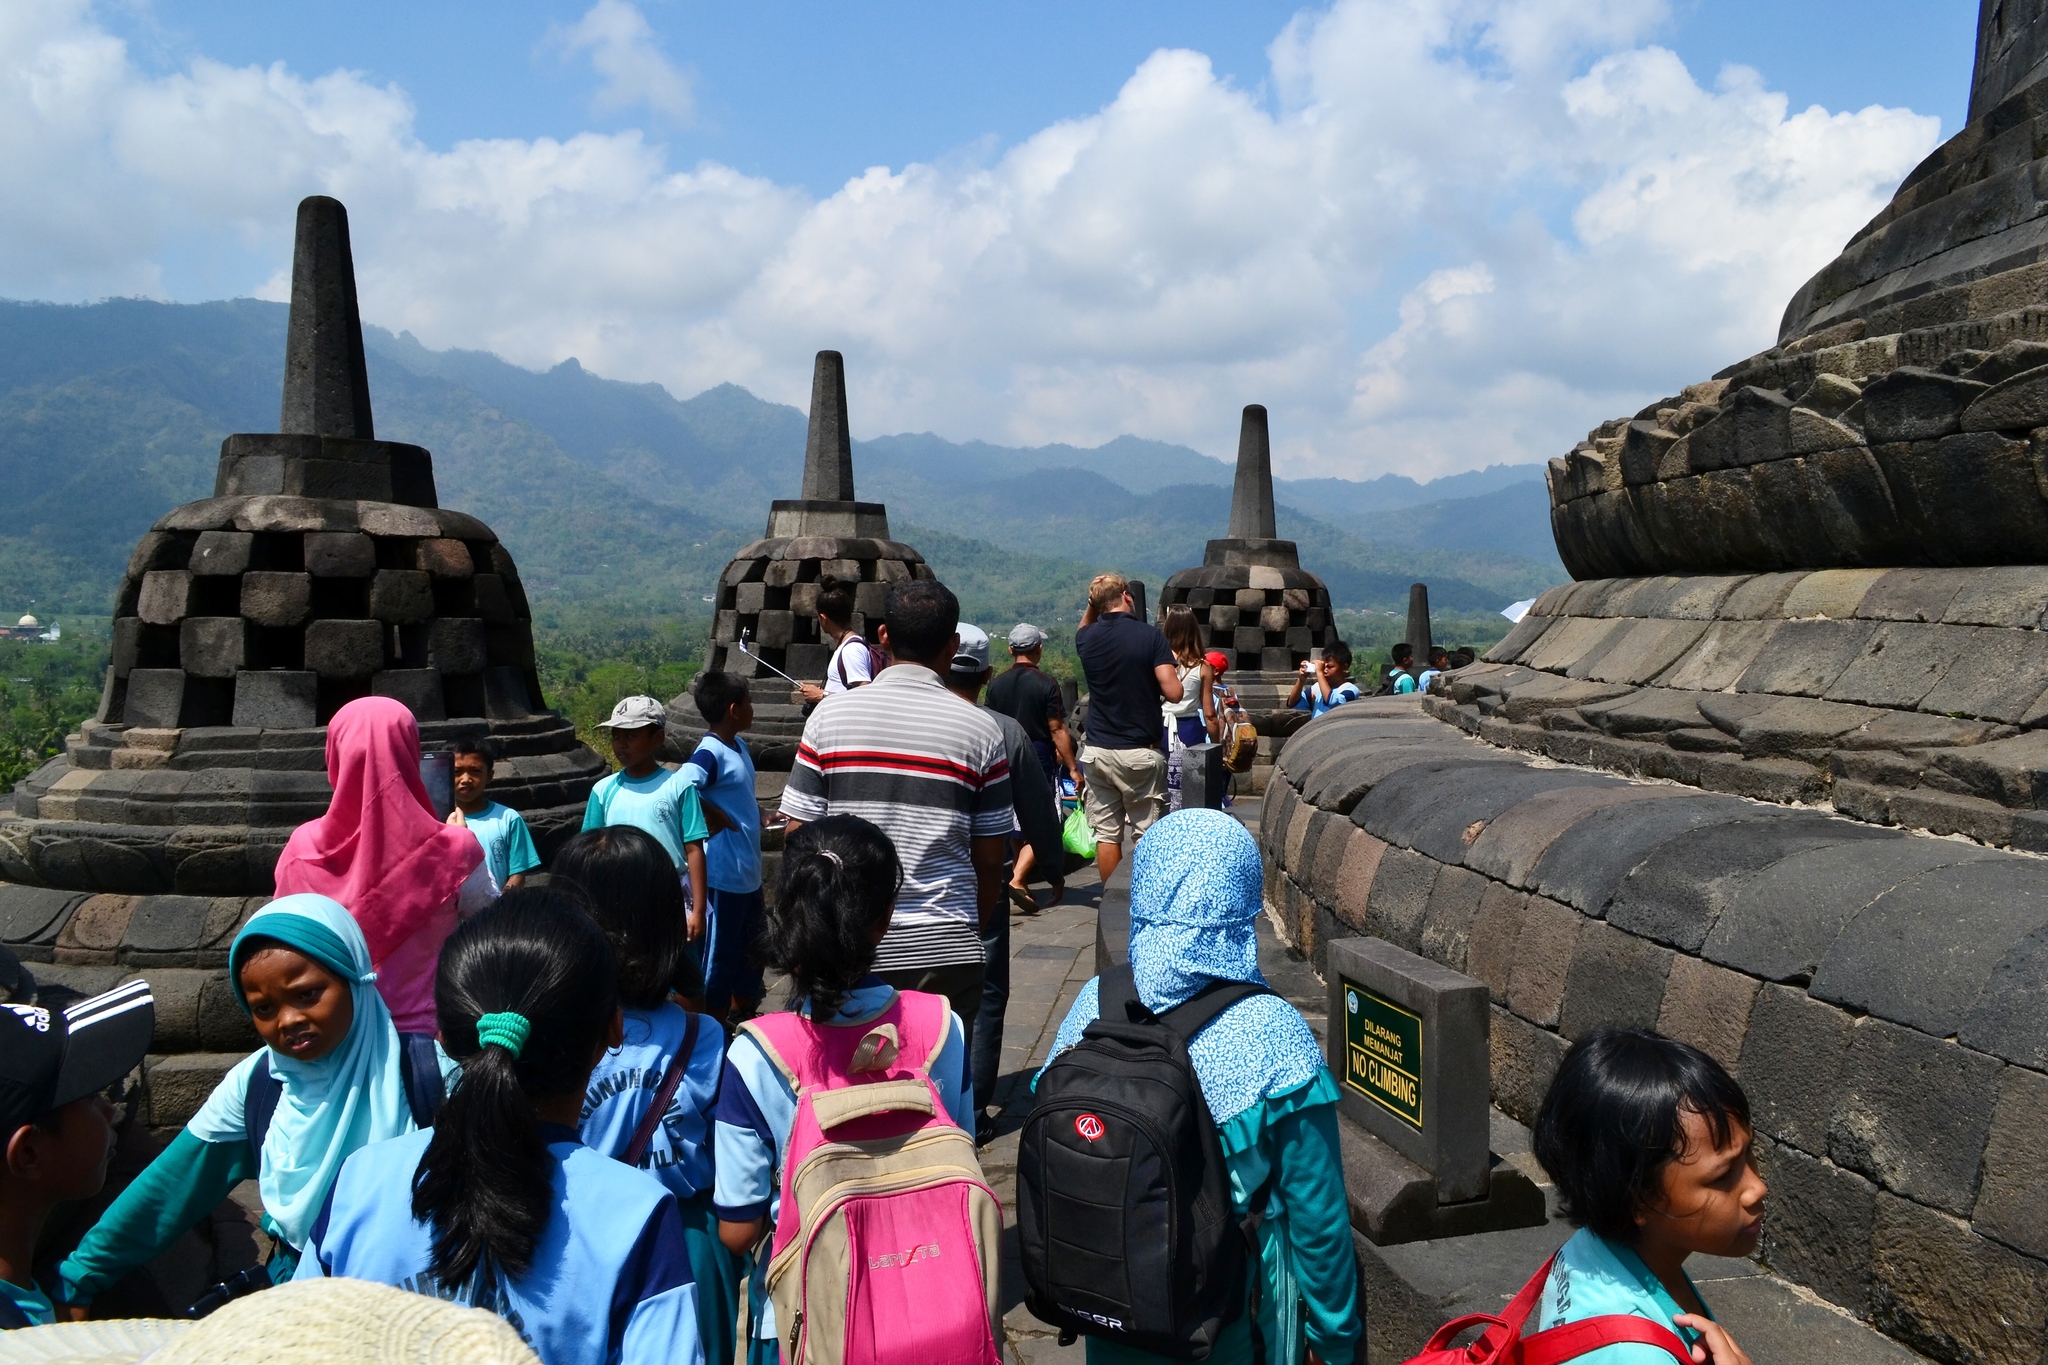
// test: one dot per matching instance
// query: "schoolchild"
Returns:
(1649, 1143)
(329, 1080)
(584, 1256)
(669, 1056)
(722, 768)
(1195, 902)
(647, 796)
(1326, 684)
(56, 1128)
(507, 842)
(840, 877)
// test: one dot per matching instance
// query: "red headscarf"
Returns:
(380, 850)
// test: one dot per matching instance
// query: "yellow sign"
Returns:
(1383, 1052)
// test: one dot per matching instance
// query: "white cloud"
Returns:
(1461, 232)
(623, 50)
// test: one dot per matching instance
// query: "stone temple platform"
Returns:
(1770, 776)
(322, 570)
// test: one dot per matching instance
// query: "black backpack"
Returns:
(1123, 1198)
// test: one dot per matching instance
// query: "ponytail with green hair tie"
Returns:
(507, 1029)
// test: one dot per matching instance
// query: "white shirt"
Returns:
(851, 665)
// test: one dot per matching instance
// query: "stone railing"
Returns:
(1879, 994)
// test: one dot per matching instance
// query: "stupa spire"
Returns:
(828, 450)
(326, 384)
(1251, 497)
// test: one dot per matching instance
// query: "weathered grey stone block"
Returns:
(455, 644)
(277, 699)
(1817, 1232)
(1400, 896)
(166, 594)
(1496, 935)
(1913, 404)
(222, 553)
(494, 604)
(155, 698)
(276, 599)
(1709, 1007)
(340, 554)
(444, 558)
(345, 649)
(1911, 595)
(418, 688)
(2012, 1201)
(1913, 1113)
(1805, 657)
(1951, 1294)
(1615, 978)
(1541, 960)
(1525, 1061)
(2013, 596)
(2017, 404)
(1791, 1064)
(2010, 1018)
(1447, 918)
(774, 629)
(213, 646)
(406, 596)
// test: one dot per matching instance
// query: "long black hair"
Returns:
(840, 876)
(1613, 1119)
(485, 1183)
(638, 901)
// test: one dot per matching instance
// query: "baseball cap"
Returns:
(1024, 635)
(636, 713)
(1217, 660)
(972, 655)
(50, 1057)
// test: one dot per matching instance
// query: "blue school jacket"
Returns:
(610, 1279)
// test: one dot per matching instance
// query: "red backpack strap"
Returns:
(1570, 1340)
(1501, 1328)
(678, 1065)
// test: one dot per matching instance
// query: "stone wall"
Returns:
(1879, 994)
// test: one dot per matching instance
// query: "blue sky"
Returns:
(1428, 234)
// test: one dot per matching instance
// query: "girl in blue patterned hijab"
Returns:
(1196, 893)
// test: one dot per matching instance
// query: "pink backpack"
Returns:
(887, 1240)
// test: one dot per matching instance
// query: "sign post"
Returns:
(1408, 1047)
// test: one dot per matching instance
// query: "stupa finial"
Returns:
(1251, 498)
(828, 451)
(326, 384)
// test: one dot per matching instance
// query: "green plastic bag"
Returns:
(1076, 835)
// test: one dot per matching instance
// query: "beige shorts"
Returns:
(1123, 784)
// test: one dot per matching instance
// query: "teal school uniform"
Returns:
(610, 1280)
(1593, 1277)
(24, 1306)
(508, 844)
(664, 804)
(679, 1152)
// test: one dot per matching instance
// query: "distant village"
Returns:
(28, 628)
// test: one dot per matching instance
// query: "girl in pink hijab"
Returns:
(381, 851)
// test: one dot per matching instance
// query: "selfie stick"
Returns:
(763, 662)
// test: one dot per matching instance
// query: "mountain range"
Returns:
(621, 496)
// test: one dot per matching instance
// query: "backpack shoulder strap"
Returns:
(259, 1106)
(1570, 1340)
(1191, 1016)
(670, 1080)
(780, 1037)
(420, 1071)
(1115, 992)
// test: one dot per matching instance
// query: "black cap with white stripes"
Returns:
(50, 1057)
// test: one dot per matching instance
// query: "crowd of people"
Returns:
(556, 1097)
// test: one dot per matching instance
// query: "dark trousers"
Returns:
(987, 1046)
(960, 983)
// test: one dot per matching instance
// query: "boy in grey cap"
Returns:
(1031, 697)
(647, 796)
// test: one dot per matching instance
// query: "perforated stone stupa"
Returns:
(1254, 600)
(322, 570)
(769, 592)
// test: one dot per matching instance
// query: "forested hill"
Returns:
(621, 497)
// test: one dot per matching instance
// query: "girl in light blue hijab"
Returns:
(333, 1066)
(1195, 900)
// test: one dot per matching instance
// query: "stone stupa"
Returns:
(322, 570)
(1255, 602)
(768, 594)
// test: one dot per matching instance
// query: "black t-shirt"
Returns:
(1118, 653)
(1029, 696)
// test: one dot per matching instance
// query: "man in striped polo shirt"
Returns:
(934, 773)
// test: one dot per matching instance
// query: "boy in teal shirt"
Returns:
(645, 795)
(508, 844)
